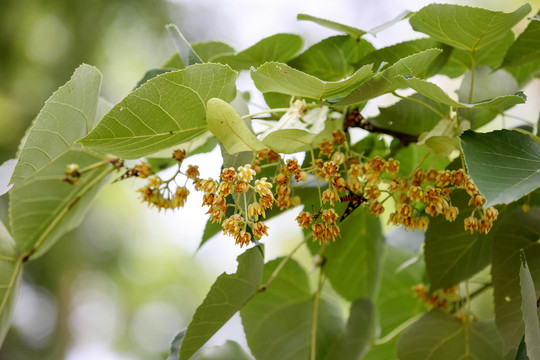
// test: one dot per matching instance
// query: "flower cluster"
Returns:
(440, 299)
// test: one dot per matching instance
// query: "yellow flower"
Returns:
(246, 173)
(263, 187)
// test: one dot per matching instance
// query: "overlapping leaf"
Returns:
(228, 294)
(440, 336)
(210, 49)
(279, 47)
(332, 58)
(522, 233)
(42, 207)
(352, 31)
(10, 278)
(278, 77)
(465, 27)
(530, 314)
(165, 111)
(527, 46)
(278, 321)
(389, 79)
(504, 164)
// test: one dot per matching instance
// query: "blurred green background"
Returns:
(127, 281)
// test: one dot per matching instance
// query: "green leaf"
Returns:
(527, 46)
(440, 336)
(402, 16)
(42, 207)
(278, 321)
(396, 302)
(410, 116)
(359, 331)
(150, 74)
(465, 27)
(352, 31)
(277, 77)
(522, 232)
(228, 294)
(225, 123)
(451, 253)
(412, 155)
(279, 47)
(389, 79)
(354, 262)
(434, 92)
(332, 58)
(165, 111)
(525, 73)
(289, 141)
(394, 53)
(504, 164)
(530, 314)
(6, 171)
(460, 60)
(231, 350)
(174, 62)
(210, 49)
(10, 279)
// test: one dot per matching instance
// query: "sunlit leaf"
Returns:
(526, 48)
(279, 47)
(187, 55)
(210, 49)
(440, 336)
(504, 164)
(332, 58)
(465, 27)
(359, 332)
(225, 123)
(529, 310)
(389, 79)
(522, 232)
(352, 31)
(165, 111)
(228, 294)
(42, 207)
(278, 322)
(277, 77)
(10, 279)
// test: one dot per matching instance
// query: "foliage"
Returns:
(475, 201)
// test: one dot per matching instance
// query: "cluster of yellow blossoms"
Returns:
(239, 201)
(440, 299)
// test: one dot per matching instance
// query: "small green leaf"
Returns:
(465, 27)
(359, 331)
(279, 47)
(289, 141)
(354, 262)
(231, 350)
(522, 232)
(165, 111)
(527, 46)
(277, 77)
(6, 171)
(228, 294)
(42, 207)
(174, 62)
(10, 279)
(225, 123)
(451, 253)
(404, 15)
(210, 49)
(440, 336)
(389, 79)
(278, 321)
(394, 53)
(150, 74)
(332, 58)
(352, 31)
(412, 155)
(504, 164)
(187, 55)
(413, 115)
(530, 314)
